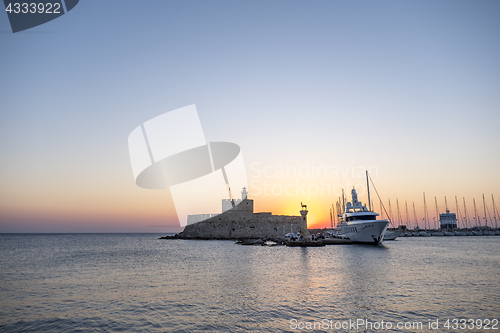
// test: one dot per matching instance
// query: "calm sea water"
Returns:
(137, 283)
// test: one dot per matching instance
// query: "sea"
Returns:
(139, 283)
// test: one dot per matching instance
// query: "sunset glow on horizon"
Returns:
(314, 94)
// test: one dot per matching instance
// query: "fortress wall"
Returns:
(243, 227)
(241, 222)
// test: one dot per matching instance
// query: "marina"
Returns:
(450, 224)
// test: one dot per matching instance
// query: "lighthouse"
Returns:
(303, 225)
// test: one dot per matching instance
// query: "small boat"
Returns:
(425, 234)
(336, 241)
(250, 242)
(460, 233)
(449, 233)
(438, 234)
(304, 243)
(390, 235)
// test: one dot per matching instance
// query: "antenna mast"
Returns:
(381, 210)
(368, 187)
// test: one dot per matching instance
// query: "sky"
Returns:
(406, 89)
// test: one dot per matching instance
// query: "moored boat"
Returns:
(359, 223)
(390, 235)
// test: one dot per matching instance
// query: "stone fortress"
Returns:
(239, 221)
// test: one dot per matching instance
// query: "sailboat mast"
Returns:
(338, 212)
(368, 187)
(415, 214)
(485, 216)
(399, 215)
(465, 216)
(437, 213)
(425, 213)
(494, 211)
(333, 213)
(458, 211)
(475, 211)
(407, 217)
(343, 202)
(339, 209)
(390, 213)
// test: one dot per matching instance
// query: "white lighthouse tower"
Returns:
(303, 226)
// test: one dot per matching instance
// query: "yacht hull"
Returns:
(368, 232)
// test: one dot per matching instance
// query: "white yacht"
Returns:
(360, 224)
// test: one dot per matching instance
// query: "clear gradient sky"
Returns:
(409, 88)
